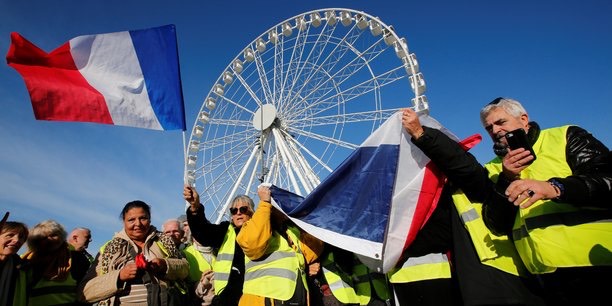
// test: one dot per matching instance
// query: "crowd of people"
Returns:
(530, 227)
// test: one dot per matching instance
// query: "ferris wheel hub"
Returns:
(264, 117)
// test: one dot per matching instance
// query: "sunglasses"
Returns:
(243, 210)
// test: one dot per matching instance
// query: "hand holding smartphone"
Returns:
(518, 139)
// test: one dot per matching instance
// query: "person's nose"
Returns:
(496, 129)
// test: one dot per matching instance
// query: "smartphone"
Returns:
(518, 139)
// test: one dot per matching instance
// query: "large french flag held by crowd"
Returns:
(376, 201)
(128, 78)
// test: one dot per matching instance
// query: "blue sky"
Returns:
(554, 56)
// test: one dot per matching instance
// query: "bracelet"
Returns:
(559, 188)
(420, 135)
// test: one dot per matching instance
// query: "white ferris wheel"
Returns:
(295, 102)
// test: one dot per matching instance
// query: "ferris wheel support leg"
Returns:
(290, 164)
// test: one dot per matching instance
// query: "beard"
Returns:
(500, 149)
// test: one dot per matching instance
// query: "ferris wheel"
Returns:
(295, 102)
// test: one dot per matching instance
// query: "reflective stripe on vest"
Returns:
(47, 292)
(276, 273)
(197, 263)
(222, 266)
(430, 266)
(20, 294)
(495, 251)
(338, 281)
(364, 279)
(549, 235)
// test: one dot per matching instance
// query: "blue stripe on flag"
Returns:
(158, 57)
(355, 200)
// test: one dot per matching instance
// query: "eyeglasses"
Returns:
(496, 101)
(243, 210)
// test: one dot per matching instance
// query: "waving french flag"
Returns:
(128, 78)
(376, 201)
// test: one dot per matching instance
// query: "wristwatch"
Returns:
(558, 187)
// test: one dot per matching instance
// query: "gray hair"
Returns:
(511, 106)
(246, 199)
(44, 229)
(180, 225)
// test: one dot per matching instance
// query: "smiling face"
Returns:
(11, 241)
(137, 224)
(498, 122)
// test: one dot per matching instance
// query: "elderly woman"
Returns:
(12, 277)
(53, 268)
(139, 266)
(229, 264)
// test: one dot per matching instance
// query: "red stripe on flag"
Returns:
(57, 89)
(431, 189)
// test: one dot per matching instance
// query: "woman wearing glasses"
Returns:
(229, 265)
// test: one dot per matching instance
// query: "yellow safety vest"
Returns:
(495, 251)
(197, 263)
(276, 274)
(222, 266)
(20, 296)
(550, 235)
(339, 282)
(363, 277)
(430, 266)
(48, 292)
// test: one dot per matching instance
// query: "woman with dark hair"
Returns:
(12, 277)
(139, 266)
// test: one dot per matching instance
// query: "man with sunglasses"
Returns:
(229, 264)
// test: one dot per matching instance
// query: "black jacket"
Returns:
(479, 284)
(212, 235)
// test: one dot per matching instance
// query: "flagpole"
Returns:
(185, 158)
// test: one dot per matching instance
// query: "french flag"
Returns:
(376, 201)
(128, 78)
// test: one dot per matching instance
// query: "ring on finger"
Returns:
(530, 192)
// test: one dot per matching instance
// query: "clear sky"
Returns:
(553, 56)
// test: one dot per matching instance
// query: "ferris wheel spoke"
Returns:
(358, 90)
(219, 160)
(238, 137)
(231, 122)
(290, 75)
(238, 105)
(326, 65)
(238, 181)
(279, 69)
(343, 47)
(286, 160)
(261, 71)
(323, 138)
(323, 164)
(303, 62)
(345, 118)
(331, 84)
(248, 88)
(304, 167)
